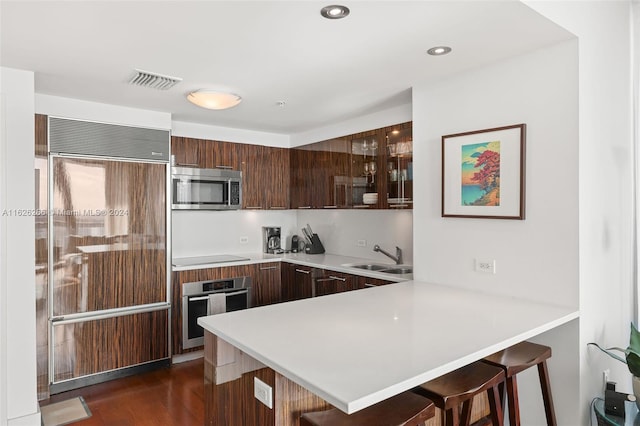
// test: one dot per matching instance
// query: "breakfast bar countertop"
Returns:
(357, 348)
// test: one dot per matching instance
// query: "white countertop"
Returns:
(330, 261)
(357, 348)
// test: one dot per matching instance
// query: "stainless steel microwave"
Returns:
(206, 189)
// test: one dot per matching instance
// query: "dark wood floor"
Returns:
(165, 397)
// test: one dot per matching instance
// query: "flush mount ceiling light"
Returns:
(212, 99)
(439, 50)
(334, 11)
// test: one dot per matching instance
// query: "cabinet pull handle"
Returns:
(268, 268)
(337, 278)
(254, 207)
(321, 280)
(369, 285)
(188, 164)
(302, 271)
(277, 208)
(224, 167)
(329, 207)
(304, 207)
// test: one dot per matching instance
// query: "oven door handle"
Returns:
(237, 293)
(195, 299)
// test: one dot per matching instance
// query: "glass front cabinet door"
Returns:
(399, 168)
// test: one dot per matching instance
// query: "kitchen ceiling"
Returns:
(265, 51)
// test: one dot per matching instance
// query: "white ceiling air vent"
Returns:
(153, 80)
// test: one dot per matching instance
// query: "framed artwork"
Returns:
(483, 173)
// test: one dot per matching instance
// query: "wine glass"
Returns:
(373, 145)
(372, 170)
(365, 145)
(366, 168)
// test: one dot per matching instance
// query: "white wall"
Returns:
(17, 250)
(228, 134)
(606, 182)
(536, 258)
(388, 117)
(105, 113)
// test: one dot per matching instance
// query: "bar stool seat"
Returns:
(405, 409)
(516, 359)
(454, 392)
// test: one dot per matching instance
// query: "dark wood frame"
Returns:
(520, 215)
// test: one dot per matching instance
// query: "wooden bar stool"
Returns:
(518, 358)
(453, 393)
(405, 409)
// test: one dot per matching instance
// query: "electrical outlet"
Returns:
(361, 243)
(263, 392)
(486, 266)
(605, 379)
(244, 240)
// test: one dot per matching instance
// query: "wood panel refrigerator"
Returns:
(108, 251)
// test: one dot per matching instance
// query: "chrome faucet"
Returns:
(397, 258)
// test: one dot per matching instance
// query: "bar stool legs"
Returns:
(518, 358)
(545, 386)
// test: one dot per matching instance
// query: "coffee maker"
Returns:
(271, 239)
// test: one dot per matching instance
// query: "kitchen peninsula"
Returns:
(352, 350)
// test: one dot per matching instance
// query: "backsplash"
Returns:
(341, 230)
(198, 233)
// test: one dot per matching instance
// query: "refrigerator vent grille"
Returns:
(153, 80)
(108, 140)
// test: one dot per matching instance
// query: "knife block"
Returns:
(316, 246)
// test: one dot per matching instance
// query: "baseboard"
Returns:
(30, 420)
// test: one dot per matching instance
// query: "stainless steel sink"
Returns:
(370, 267)
(401, 270)
(387, 269)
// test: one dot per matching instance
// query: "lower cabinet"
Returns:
(329, 282)
(297, 282)
(364, 282)
(300, 282)
(265, 284)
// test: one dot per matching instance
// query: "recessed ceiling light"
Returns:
(439, 50)
(281, 104)
(212, 99)
(334, 11)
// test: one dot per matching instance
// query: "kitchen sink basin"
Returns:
(371, 267)
(401, 270)
(377, 267)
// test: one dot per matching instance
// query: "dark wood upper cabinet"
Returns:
(317, 171)
(208, 154)
(265, 176)
(337, 173)
(330, 174)
(187, 152)
(277, 177)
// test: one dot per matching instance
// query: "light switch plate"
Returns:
(263, 392)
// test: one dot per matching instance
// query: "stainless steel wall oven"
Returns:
(204, 298)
